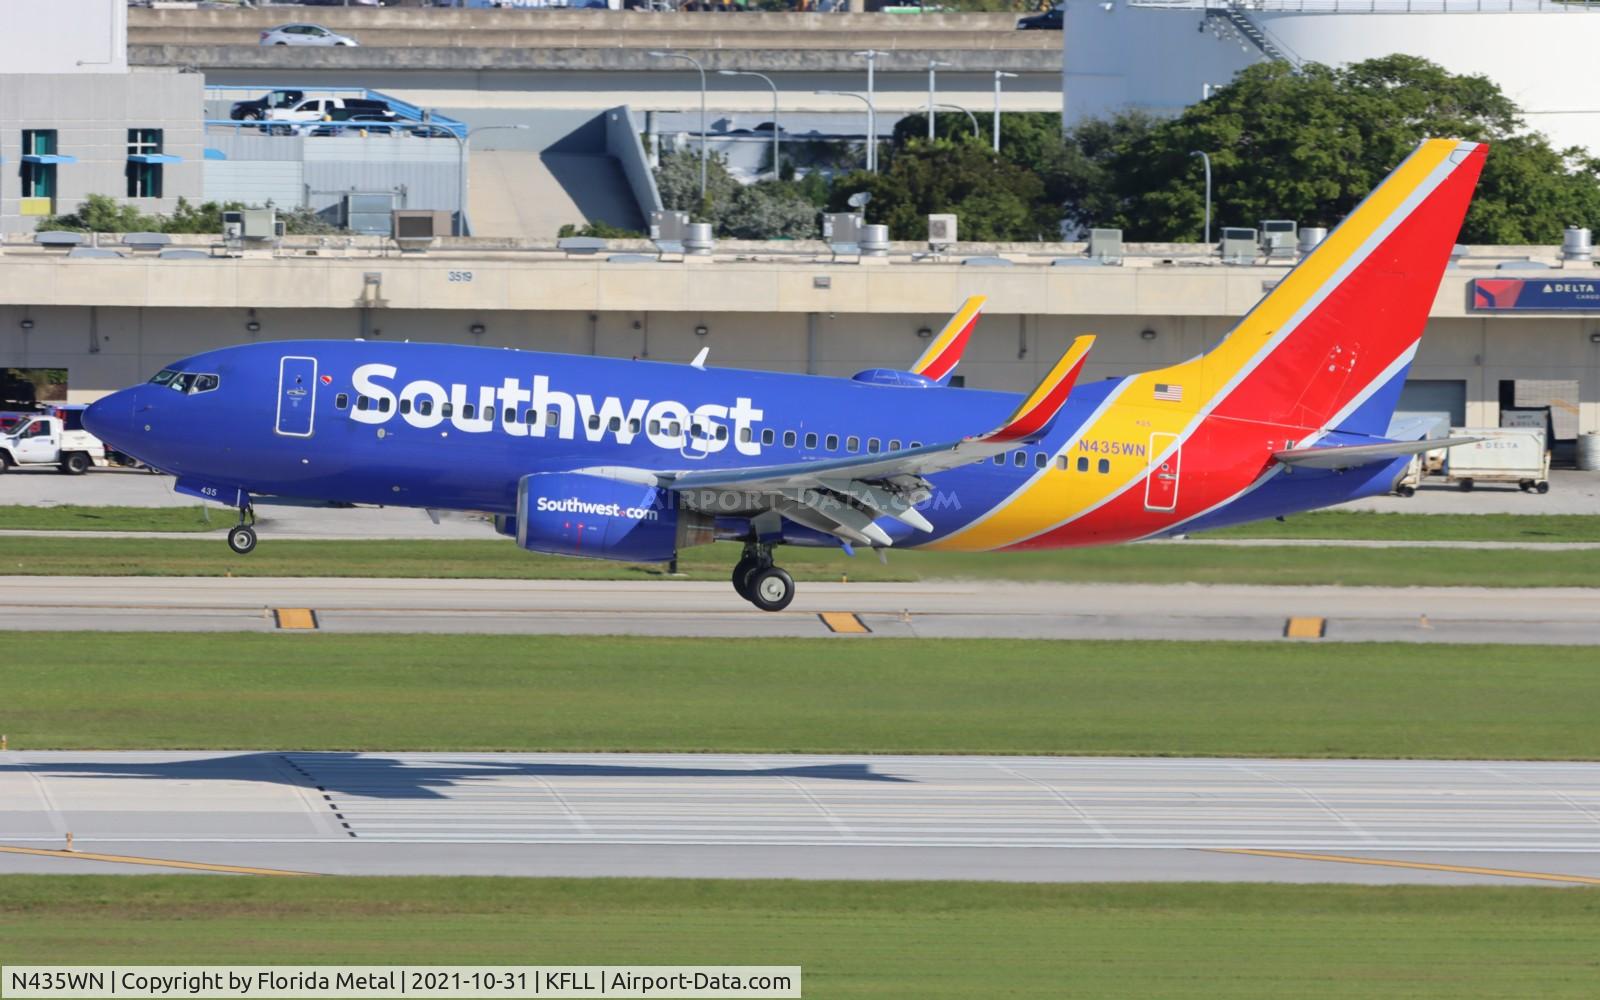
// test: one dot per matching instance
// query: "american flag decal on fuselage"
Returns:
(1169, 392)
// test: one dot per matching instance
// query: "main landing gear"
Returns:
(761, 583)
(242, 537)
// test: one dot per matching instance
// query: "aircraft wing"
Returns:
(843, 496)
(1350, 456)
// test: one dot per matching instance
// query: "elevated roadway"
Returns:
(593, 60)
(1011, 818)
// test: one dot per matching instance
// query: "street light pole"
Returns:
(462, 141)
(696, 64)
(1207, 160)
(777, 169)
(871, 164)
(872, 110)
(999, 75)
(977, 133)
(933, 65)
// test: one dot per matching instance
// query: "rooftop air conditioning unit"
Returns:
(941, 230)
(842, 227)
(1279, 238)
(252, 224)
(416, 229)
(1105, 245)
(668, 225)
(1238, 245)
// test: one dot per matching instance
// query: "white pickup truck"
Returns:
(55, 438)
(318, 110)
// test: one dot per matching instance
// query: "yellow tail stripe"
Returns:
(1055, 496)
(952, 329)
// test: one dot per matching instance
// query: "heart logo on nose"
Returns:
(327, 380)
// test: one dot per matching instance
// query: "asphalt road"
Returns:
(1012, 818)
(1566, 616)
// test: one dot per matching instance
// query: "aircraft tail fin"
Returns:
(945, 350)
(1329, 346)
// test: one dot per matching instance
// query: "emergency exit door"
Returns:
(297, 395)
(1161, 485)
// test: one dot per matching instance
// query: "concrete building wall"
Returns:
(64, 36)
(104, 348)
(91, 114)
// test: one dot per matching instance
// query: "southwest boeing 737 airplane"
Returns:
(637, 460)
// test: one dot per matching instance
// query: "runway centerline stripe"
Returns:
(123, 859)
(1421, 865)
(844, 622)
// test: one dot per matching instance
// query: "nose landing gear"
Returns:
(758, 581)
(242, 537)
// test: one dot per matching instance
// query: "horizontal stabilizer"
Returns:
(1350, 456)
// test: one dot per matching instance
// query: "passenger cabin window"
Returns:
(1083, 464)
(447, 410)
(383, 405)
(633, 425)
(788, 439)
(872, 445)
(1061, 462)
(1000, 459)
(405, 407)
(767, 435)
(674, 429)
(341, 401)
(468, 411)
(811, 441)
(509, 415)
(1019, 459)
(1040, 460)
(852, 444)
(614, 424)
(594, 421)
(654, 428)
(722, 433)
(833, 442)
(1105, 465)
(362, 403)
(894, 445)
(425, 407)
(552, 418)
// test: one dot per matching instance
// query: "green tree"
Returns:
(995, 199)
(1310, 145)
(103, 214)
(770, 210)
(602, 229)
(678, 180)
(761, 211)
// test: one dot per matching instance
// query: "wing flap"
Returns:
(1351, 456)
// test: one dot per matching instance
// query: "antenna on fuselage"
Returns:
(700, 359)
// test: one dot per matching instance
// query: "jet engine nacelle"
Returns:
(576, 514)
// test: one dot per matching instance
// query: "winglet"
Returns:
(1046, 400)
(942, 356)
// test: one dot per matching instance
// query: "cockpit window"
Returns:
(187, 383)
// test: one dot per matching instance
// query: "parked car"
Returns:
(304, 34)
(330, 109)
(249, 111)
(1048, 20)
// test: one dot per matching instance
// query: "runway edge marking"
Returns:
(844, 622)
(1421, 865)
(124, 859)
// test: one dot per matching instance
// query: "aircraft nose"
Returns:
(110, 418)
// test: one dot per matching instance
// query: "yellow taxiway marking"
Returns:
(845, 622)
(1423, 865)
(1305, 628)
(295, 617)
(123, 859)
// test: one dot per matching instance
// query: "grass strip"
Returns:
(481, 692)
(929, 940)
(500, 559)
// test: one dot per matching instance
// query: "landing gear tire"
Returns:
(771, 589)
(741, 572)
(242, 539)
(1407, 491)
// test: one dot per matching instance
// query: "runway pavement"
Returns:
(1567, 616)
(1012, 818)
